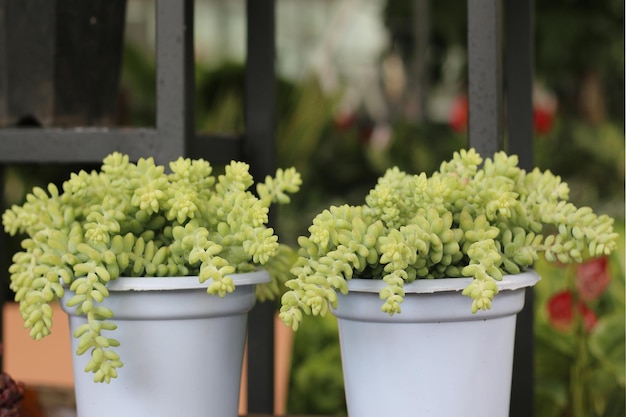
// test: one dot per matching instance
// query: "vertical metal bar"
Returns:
(519, 75)
(519, 79)
(175, 79)
(4, 260)
(4, 263)
(421, 58)
(4, 87)
(485, 75)
(260, 93)
(259, 150)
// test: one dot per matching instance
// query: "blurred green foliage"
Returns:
(574, 38)
(581, 373)
(591, 159)
(316, 380)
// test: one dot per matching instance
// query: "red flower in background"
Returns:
(344, 120)
(543, 120)
(560, 311)
(544, 110)
(459, 114)
(592, 278)
(589, 316)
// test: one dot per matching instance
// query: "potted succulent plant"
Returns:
(439, 248)
(131, 251)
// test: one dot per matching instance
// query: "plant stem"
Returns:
(579, 371)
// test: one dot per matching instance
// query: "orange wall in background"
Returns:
(47, 362)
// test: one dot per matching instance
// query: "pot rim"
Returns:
(260, 276)
(524, 279)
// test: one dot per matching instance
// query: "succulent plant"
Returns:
(137, 220)
(468, 219)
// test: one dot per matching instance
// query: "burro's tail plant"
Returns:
(468, 219)
(137, 220)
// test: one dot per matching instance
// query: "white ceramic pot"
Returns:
(435, 358)
(182, 349)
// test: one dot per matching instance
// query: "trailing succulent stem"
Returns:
(466, 220)
(137, 220)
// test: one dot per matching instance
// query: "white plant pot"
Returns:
(435, 358)
(182, 349)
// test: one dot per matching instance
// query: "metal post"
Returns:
(4, 263)
(519, 79)
(175, 80)
(419, 80)
(259, 146)
(519, 75)
(485, 75)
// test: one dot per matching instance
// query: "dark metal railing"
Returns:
(500, 100)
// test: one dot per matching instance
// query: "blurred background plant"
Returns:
(367, 84)
(579, 344)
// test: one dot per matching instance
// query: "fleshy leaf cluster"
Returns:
(137, 220)
(471, 218)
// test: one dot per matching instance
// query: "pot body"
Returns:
(435, 358)
(182, 349)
